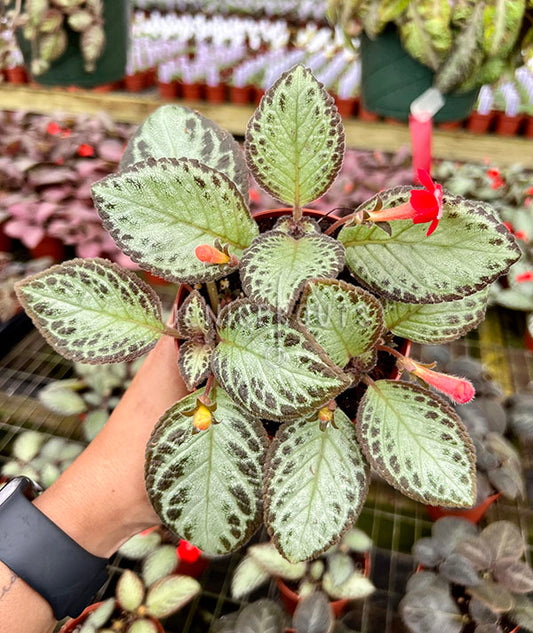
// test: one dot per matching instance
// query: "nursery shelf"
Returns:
(455, 145)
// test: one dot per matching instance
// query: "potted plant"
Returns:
(407, 47)
(32, 455)
(469, 579)
(341, 573)
(272, 333)
(313, 614)
(139, 603)
(67, 42)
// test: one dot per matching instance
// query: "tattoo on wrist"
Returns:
(7, 587)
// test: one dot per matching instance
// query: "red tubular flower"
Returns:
(459, 389)
(85, 150)
(425, 205)
(188, 552)
(522, 236)
(210, 255)
(522, 277)
(53, 128)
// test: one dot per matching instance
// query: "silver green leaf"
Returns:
(247, 577)
(140, 545)
(287, 224)
(355, 587)
(434, 323)
(174, 131)
(417, 443)
(168, 595)
(143, 626)
(159, 211)
(101, 615)
(502, 21)
(93, 311)
(130, 591)
(315, 484)
(270, 365)
(193, 361)
(266, 555)
(194, 319)
(263, 616)
(295, 141)
(158, 564)
(345, 320)
(62, 400)
(276, 266)
(469, 249)
(207, 486)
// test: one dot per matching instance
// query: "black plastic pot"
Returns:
(392, 79)
(68, 69)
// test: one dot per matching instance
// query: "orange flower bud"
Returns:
(210, 255)
(202, 418)
(325, 414)
(460, 390)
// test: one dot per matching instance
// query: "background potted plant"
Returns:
(265, 348)
(66, 42)
(407, 47)
(313, 614)
(469, 578)
(341, 573)
(139, 602)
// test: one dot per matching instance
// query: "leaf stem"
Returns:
(214, 299)
(171, 331)
(389, 350)
(209, 386)
(368, 381)
(331, 229)
(297, 213)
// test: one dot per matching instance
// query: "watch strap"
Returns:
(46, 558)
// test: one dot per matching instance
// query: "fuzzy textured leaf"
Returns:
(468, 250)
(346, 321)
(130, 590)
(194, 319)
(522, 612)
(516, 576)
(425, 31)
(92, 44)
(356, 587)
(417, 443)
(502, 21)
(458, 569)
(174, 131)
(93, 311)
(101, 615)
(170, 594)
(193, 361)
(432, 612)
(315, 484)
(62, 400)
(270, 365)
(140, 545)
(504, 540)
(313, 614)
(143, 626)
(266, 555)
(434, 323)
(247, 577)
(158, 564)
(295, 141)
(207, 486)
(493, 595)
(159, 211)
(263, 616)
(276, 266)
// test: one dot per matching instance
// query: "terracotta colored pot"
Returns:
(346, 107)
(216, 94)
(240, 96)
(258, 95)
(528, 127)
(508, 125)
(49, 247)
(154, 280)
(135, 83)
(474, 515)
(168, 90)
(150, 77)
(192, 569)
(451, 125)
(193, 92)
(109, 87)
(366, 115)
(478, 123)
(291, 599)
(17, 75)
(71, 626)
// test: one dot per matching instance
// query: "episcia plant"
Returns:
(283, 320)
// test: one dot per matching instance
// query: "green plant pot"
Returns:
(68, 69)
(392, 79)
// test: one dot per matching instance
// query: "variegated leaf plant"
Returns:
(287, 316)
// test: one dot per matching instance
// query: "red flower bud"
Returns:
(522, 277)
(188, 552)
(460, 390)
(85, 150)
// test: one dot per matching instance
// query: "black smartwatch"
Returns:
(47, 559)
